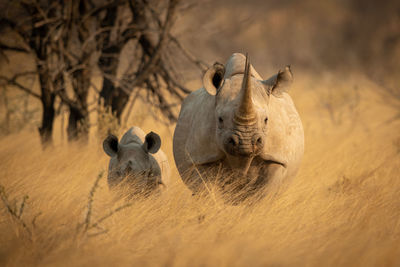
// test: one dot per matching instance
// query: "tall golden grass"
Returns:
(342, 209)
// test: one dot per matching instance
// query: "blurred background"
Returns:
(86, 63)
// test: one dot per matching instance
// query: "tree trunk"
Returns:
(47, 99)
(119, 101)
(113, 97)
(77, 125)
(78, 122)
(46, 129)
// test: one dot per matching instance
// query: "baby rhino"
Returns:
(137, 162)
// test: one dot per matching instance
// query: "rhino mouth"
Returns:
(274, 161)
(245, 164)
(251, 166)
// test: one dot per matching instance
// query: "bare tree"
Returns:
(69, 38)
(150, 26)
(35, 36)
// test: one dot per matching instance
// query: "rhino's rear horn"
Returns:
(245, 113)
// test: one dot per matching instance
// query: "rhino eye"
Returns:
(266, 120)
(220, 120)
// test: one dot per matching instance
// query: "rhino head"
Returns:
(242, 110)
(132, 160)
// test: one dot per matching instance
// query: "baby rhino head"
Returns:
(132, 162)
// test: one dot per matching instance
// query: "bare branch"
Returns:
(96, 224)
(167, 77)
(98, 9)
(40, 10)
(16, 214)
(45, 21)
(13, 82)
(63, 96)
(161, 43)
(13, 48)
(128, 113)
(202, 65)
(90, 200)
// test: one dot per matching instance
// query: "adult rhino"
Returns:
(238, 130)
(137, 161)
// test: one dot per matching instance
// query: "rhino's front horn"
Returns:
(245, 113)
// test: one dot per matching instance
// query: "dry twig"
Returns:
(15, 212)
(90, 200)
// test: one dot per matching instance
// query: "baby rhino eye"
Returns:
(266, 120)
(220, 120)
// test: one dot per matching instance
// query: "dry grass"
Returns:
(342, 209)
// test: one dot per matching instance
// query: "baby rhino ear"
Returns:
(110, 145)
(279, 83)
(152, 143)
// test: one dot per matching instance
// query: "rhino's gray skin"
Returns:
(238, 124)
(137, 161)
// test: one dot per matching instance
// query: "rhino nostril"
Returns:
(259, 141)
(231, 144)
(128, 170)
(232, 141)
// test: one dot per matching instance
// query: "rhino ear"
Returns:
(213, 78)
(279, 83)
(152, 143)
(110, 145)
